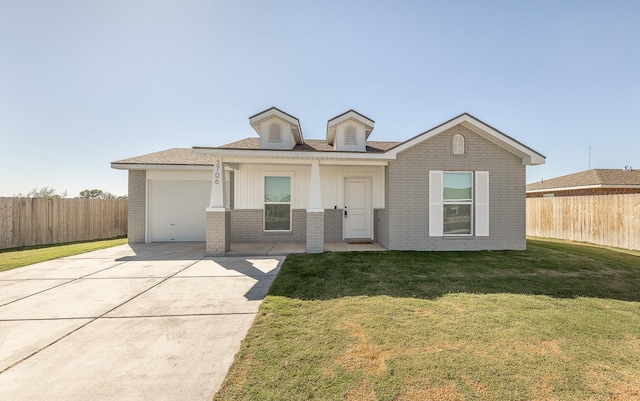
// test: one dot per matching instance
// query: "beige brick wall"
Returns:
(137, 205)
(247, 226)
(218, 233)
(315, 232)
(408, 194)
(333, 220)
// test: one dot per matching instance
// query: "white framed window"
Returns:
(458, 203)
(275, 133)
(350, 137)
(277, 203)
(458, 145)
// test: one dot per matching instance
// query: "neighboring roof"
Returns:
(348, 115)
(171, 157)
(594, 178)
(310, 145)
(294, 123)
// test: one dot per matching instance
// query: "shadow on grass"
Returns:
(546, 268)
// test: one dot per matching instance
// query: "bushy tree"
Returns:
(44, 192)
(99, 194)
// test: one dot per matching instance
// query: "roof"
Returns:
(310, 145)
(594, 178)
(346, 116)
(376, 151)
(528, 155)
(271, 112)
(172, 157)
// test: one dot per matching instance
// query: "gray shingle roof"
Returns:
(310, 145)
(175, 156)
(593, 177)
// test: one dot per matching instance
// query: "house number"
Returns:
(217, 173)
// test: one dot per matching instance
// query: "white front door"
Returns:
(357, 208)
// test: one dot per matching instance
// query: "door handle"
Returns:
(345, 211)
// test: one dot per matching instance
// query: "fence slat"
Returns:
(611, 220)
(39, 221)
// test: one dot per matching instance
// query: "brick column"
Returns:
(315, 212)
(218, 216)
(218, 231)
(137, 205)
(315, 231)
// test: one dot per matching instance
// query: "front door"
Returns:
(357, 208)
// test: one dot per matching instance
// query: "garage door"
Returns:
(177, 210)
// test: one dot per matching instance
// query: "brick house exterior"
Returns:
(457, 186)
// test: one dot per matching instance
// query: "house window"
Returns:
(277, 203)
(275, 133)
(457, 203)
(350, 137)
(458, 145)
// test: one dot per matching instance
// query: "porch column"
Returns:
(315, 212)
(218, 228)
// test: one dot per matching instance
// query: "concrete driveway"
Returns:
(152, 322)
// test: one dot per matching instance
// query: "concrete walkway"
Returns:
(152, 322)
(285, 248)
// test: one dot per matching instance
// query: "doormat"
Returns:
(359, 242)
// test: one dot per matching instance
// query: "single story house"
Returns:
(588, 182)
(457, 186)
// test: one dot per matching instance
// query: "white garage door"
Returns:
(177, 210)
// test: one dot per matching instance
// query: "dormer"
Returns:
(349, 132)
(277, 129)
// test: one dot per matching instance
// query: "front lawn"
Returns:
(12, 258)
(559, 321)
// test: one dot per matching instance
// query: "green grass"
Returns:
(13, 258)
(559, 321)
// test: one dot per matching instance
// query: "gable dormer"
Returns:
(349, 132)
(277, 129)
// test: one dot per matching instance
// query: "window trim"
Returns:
(458, 202)
(290, 203)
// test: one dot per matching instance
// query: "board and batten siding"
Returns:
(249, 184)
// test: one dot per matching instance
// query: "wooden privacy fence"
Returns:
(39, 221)
(611, 220)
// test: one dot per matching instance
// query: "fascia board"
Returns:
(528, 157)
(348, 115)
(273, 112)
(598, 186)
(332, 124)
(287, 154)
(135, 166)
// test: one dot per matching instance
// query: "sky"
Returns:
(85, 83)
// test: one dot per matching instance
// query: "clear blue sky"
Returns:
(84, 83)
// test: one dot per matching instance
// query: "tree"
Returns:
(96, 194)
(44, 192)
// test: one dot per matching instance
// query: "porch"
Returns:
(288, 248)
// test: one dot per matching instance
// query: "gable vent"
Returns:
(275, 133)
(457, 145)
(350, 137)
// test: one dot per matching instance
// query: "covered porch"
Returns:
(289, 248)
